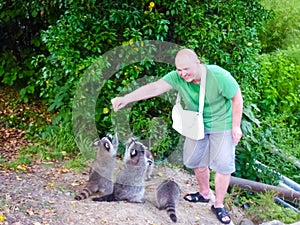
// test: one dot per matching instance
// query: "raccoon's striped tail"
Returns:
(171, 212)
(105, 198)
(83, 195)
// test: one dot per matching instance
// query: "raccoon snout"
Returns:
(149, 162)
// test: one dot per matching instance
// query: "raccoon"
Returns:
(150, 164)
(129, 185)
(167, 197)
(102, 168)
(149, 157)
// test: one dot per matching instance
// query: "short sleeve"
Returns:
(172, 78)
(228, 85)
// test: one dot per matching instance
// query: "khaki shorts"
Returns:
(216, 151)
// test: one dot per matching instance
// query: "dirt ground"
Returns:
(44, 194)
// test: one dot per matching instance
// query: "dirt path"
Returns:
(44, 194)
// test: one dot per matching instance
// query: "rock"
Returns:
(274, 222)
(297, 223)
(246, 221)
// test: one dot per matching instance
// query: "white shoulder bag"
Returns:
(190, 123)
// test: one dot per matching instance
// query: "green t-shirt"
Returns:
(220, 88)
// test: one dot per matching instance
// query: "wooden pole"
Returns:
(262, 188)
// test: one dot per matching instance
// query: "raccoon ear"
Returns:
(130, 141)
(96, 143)
(109, 136)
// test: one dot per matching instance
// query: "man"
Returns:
(222, 115)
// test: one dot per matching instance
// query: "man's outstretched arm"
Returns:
(147, 91)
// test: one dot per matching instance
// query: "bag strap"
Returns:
(202, 91)
(178, 98)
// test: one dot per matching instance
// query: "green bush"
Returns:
(279, 83)
(282, 30)
(277, 123)
(88, 30)
(21, 24)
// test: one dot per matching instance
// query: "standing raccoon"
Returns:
(130, 185)
(149, 157)
(102, 168)
(150, 164)
(167, 197)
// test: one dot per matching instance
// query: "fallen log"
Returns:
(258, 187)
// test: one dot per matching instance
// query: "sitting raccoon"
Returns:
(167, 197)
(102, 168)
(129, 185)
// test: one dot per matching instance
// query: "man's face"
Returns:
(185, 73)
(187, 70)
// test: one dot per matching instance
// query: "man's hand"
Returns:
(118, 103)
(236, 134)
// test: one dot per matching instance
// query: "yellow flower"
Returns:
(151, 6)
(105, 110)
(2, 218)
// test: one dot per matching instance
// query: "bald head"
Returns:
(186, 55)
(188, 65)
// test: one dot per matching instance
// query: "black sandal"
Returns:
(195, 197)
(221, 214)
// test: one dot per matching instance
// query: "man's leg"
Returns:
(221, 186)
(202, 175)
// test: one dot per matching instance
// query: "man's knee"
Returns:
(201, 169)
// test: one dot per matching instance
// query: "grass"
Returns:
(265, 209)
(260, 208)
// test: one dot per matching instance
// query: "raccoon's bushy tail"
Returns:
(83, 195)
(171, 212)
(105, 198)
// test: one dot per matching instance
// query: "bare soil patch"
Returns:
(44, 194)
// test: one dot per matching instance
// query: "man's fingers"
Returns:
(236, 137)
(236, 140)
(117, 103)
(114, 104)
